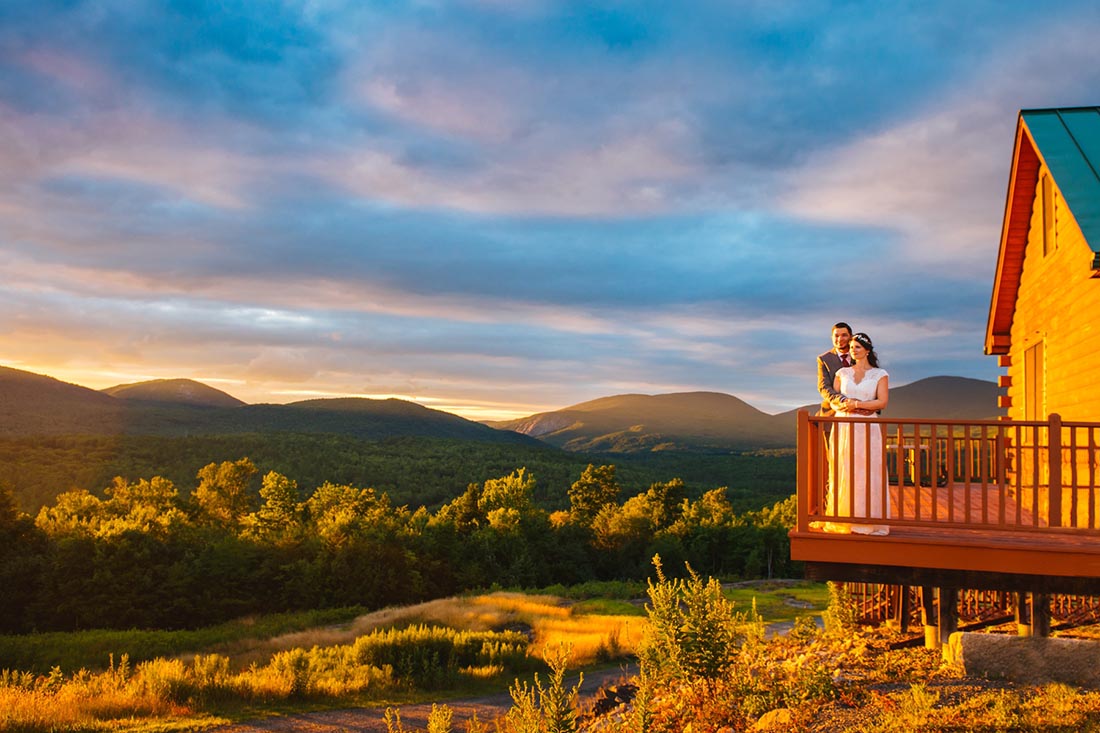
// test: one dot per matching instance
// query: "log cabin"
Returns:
(999, 516)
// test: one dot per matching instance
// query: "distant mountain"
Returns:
(34, 404)
(358, 417)
(174, 391)
(714, 421)
(702, 421)
(954, 398)
(948, 398)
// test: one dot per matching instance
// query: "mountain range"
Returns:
(714, 421)
(35, 404)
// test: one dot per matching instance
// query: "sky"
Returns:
(497, 208)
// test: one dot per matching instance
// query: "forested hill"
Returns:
(943, 398)
(175, 391)
(56, 436)
(717, 422)
(706, 421)
(34, 404)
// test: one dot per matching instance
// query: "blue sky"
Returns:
(497, 208)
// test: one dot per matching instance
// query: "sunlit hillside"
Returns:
(174, 391)
(716, 422)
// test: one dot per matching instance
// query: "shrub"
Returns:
(551, 709)
(440, 719)
(211, 676)
(842, 613)
(432, 656)
(164, 679)
(292, 667)
(694, 631)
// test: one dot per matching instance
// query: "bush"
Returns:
(164, 679)
(432, 656)
(694, 631)
(293, 668)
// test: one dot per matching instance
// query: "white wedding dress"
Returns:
(850, 477)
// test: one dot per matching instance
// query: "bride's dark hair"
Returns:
(865, 341)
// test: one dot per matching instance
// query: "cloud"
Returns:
(529, 204)
(936, 179)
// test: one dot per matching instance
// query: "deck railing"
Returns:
(1034, 476)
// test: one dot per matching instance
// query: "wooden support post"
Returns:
(948, 616)
(928, 617)
(1023, 614)
(901, 609)
(1040, 614)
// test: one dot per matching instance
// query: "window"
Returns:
(1034, 409)
(1049, 230)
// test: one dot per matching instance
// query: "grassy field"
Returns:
(282, 664)
(93, 650)
(811, 680)
(163, 680)
(782, 600)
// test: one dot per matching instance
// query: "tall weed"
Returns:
(550, 709)
(694, 631)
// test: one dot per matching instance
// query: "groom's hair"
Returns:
(842, 324)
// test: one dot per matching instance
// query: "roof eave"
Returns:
(1014, 229)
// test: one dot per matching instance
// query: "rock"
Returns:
(778, 719)
(611, 697)
(1029, 660)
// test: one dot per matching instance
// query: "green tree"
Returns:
(146, 505)
(511, 492)
(74, 513)
(280, 514)
(595, 489)
(666, 500)
(22, 563)
(223, 495)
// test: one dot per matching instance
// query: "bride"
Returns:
(866, 390)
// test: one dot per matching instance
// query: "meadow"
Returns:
(451, 646)
(707, 664)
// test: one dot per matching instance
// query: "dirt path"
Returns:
(370, 720)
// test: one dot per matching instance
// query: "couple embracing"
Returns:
(853, 386)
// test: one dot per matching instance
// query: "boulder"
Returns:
(774, 720)
(1029, 660)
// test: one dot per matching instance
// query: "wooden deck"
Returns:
(984, 559)
(985, 504)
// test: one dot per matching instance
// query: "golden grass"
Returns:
(592, 638)
(153, 693)
(550, 619)
(96, 702)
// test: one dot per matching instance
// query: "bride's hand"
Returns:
(855, 407)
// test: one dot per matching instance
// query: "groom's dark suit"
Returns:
(828, 364)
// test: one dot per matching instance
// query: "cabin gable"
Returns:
(1046, 294)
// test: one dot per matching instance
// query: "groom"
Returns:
(828, 364)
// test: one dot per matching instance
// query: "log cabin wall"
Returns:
(1058, 310)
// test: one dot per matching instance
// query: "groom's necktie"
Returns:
(844, 360)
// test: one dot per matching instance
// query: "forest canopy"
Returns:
(237, 539)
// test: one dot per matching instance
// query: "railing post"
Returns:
(805, 460)
(1054, 468)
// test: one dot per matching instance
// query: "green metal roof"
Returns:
(1068, 141)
